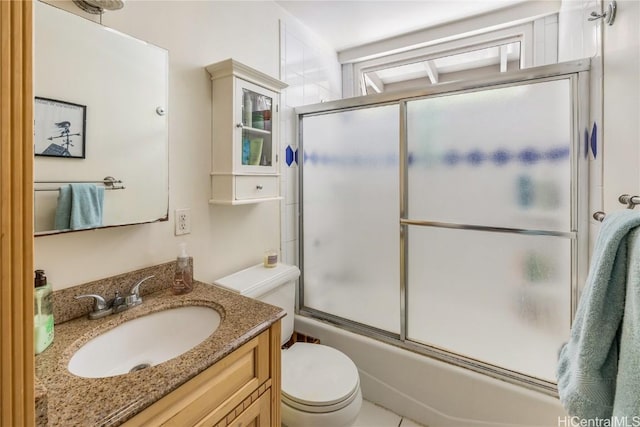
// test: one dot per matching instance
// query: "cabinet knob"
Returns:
(239, 125)
(258, 187)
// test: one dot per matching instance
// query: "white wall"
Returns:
(621, 105)
(223, 239)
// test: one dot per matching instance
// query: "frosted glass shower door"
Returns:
(350, 208)
(490, 207)
(500, 298)
(494, 157)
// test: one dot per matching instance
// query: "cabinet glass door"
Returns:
(257, 146)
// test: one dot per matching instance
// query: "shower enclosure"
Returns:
(451, 221)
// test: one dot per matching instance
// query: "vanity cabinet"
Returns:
(241, 390)
(245, 134)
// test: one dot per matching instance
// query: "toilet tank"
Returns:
(275, 286)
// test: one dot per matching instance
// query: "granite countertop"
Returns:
(74, 400)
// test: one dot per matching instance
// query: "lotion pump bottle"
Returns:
(43, 313)
(183, 278)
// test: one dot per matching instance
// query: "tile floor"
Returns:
(372, 415)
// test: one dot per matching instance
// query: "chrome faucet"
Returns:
(102, 308)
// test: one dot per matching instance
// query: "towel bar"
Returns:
(625, 199)
(630, 201)
(108, 182)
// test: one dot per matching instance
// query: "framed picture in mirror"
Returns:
(59, 128)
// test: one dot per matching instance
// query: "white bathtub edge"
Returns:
(455, 397)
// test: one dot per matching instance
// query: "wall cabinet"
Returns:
(245, 134)
(243, 389)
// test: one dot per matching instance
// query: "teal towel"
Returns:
(627, 399)
(592, 383)
(63, 209)
(79, 206)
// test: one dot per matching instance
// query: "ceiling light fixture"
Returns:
(96, 7)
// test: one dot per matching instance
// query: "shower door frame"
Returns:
(577, 72)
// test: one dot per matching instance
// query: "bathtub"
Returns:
(432, 392)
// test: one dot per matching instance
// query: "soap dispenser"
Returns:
(183, 277)
(43, 312)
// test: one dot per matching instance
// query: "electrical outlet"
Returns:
(183, 221)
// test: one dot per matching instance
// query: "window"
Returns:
(469, 64)
(463, 58)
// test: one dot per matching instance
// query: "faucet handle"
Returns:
(99, 303)
(100, 306)
(134, 297)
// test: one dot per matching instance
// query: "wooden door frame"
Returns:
(16, 214)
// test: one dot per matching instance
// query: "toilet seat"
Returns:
(317, 378)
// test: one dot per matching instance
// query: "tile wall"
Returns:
(313, 73)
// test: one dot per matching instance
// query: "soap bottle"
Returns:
(183, 277)
(43, 312)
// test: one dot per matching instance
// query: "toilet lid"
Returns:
(318, 376)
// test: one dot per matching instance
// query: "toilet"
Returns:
(320, 385)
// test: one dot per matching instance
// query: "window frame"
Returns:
(523, 33)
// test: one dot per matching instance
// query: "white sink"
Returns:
(144, 341)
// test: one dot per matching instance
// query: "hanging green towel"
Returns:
(63, 209)
(597, 372)
(79, 206)
(626, 402)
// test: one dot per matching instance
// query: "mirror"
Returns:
(100, 111)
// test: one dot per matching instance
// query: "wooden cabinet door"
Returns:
(258, 414)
